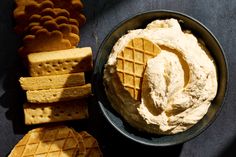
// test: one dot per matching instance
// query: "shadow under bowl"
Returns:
(140, 21)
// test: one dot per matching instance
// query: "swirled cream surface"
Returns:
(178, 84)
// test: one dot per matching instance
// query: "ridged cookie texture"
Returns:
(57, 141)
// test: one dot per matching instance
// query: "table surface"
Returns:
(102, 15)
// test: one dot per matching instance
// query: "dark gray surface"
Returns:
(218, 15)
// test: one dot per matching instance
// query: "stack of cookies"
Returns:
(48, 25)
(57, 89)
(56, 142)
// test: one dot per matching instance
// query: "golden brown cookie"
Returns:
(48, 14)
(52, 81)
(51, 20)
(82, 151)
(60, 62)
(59, 94)
(57, 141)
(26, 8)
(44, 21)
(55, 112)
(74, 7)
(67, 34)
(91, 145)
(50, 24)
(43, 40)
(131, 62)
(54, 12)
(67, 30)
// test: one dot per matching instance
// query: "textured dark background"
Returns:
(219, 140)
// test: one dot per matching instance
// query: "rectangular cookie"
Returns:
(60, 94)
(60, 62)
(52, 82)
(55, 112)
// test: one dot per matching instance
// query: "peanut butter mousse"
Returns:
(177, 86)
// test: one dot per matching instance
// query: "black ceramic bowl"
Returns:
(140, 21)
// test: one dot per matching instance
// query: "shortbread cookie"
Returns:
(55, 112)
(60, 94)
(60, 62)
(52, 82)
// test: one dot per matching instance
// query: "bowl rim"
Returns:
(198, 23)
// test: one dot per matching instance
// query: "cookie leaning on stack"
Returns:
(131, 62)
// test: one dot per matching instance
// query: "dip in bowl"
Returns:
(119, 120)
